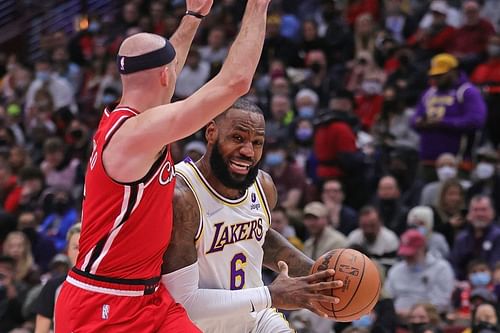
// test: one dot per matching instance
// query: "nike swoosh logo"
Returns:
(214, 212)
(253, 307)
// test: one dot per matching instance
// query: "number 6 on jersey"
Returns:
(237, 273)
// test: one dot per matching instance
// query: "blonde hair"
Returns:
(431, 311)
(26, 262)
(75, 229)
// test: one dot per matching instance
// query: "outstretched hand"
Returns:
(293, 293)
(200, 6)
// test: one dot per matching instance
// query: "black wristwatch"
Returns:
(195, 14)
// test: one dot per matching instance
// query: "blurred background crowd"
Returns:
(383, 134)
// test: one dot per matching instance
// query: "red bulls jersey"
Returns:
(126, 226)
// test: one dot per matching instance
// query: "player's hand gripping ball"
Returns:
(361, 288)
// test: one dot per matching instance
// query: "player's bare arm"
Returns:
(183, 36)
(182, 249)
(276, 247)
(145, 135)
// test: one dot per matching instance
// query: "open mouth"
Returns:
(240, 167)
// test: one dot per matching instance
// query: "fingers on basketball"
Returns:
(361, 285)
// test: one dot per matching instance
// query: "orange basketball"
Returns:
(361, 288)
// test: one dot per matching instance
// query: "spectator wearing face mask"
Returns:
(487, 77)
(303, 146)
(436, 31)
(423, 317)
(432, 279)
(448, 114)
(484, 320)
(486, 175)
(479, 276)
(60, 88)
(388, 202)
(446, 168)
(42, 246)
(306, 103)
(421, 218)
(480, 239)
(60, 219)
(289, 178)
(319, 78)
(369, 101)
(392, 126)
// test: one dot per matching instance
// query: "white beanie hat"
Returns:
(421, 213)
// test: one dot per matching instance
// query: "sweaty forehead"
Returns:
(243, 120)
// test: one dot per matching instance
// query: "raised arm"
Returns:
(183, 36)
(276, 247)
(148, 132)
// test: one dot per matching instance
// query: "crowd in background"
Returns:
(382, 134)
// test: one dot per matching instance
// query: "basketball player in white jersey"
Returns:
(222, 236)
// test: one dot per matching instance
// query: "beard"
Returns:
(220, 168)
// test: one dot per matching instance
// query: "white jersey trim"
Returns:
(102, 290)
(114, 231)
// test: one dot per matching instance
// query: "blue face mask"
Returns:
(306, 112)
(422, 230)
(416, 268)
(94, 27)
(304, 134)
(480, 279)
(108, 99)
(274, 159)
(364, 322)
(43, 75)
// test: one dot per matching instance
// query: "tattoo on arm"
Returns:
(181, 251)
(277, 248)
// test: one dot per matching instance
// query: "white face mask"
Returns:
(446, 172)
(371, 87)
(480, 224)
(484, 170)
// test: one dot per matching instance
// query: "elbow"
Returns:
(240, 85)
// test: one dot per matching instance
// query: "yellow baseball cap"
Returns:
(442, 64)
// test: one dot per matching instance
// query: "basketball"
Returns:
(361, 288)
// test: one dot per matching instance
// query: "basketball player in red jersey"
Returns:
(127, 208)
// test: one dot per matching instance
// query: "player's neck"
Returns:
(139, 100)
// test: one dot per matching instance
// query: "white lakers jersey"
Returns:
(229, 239)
